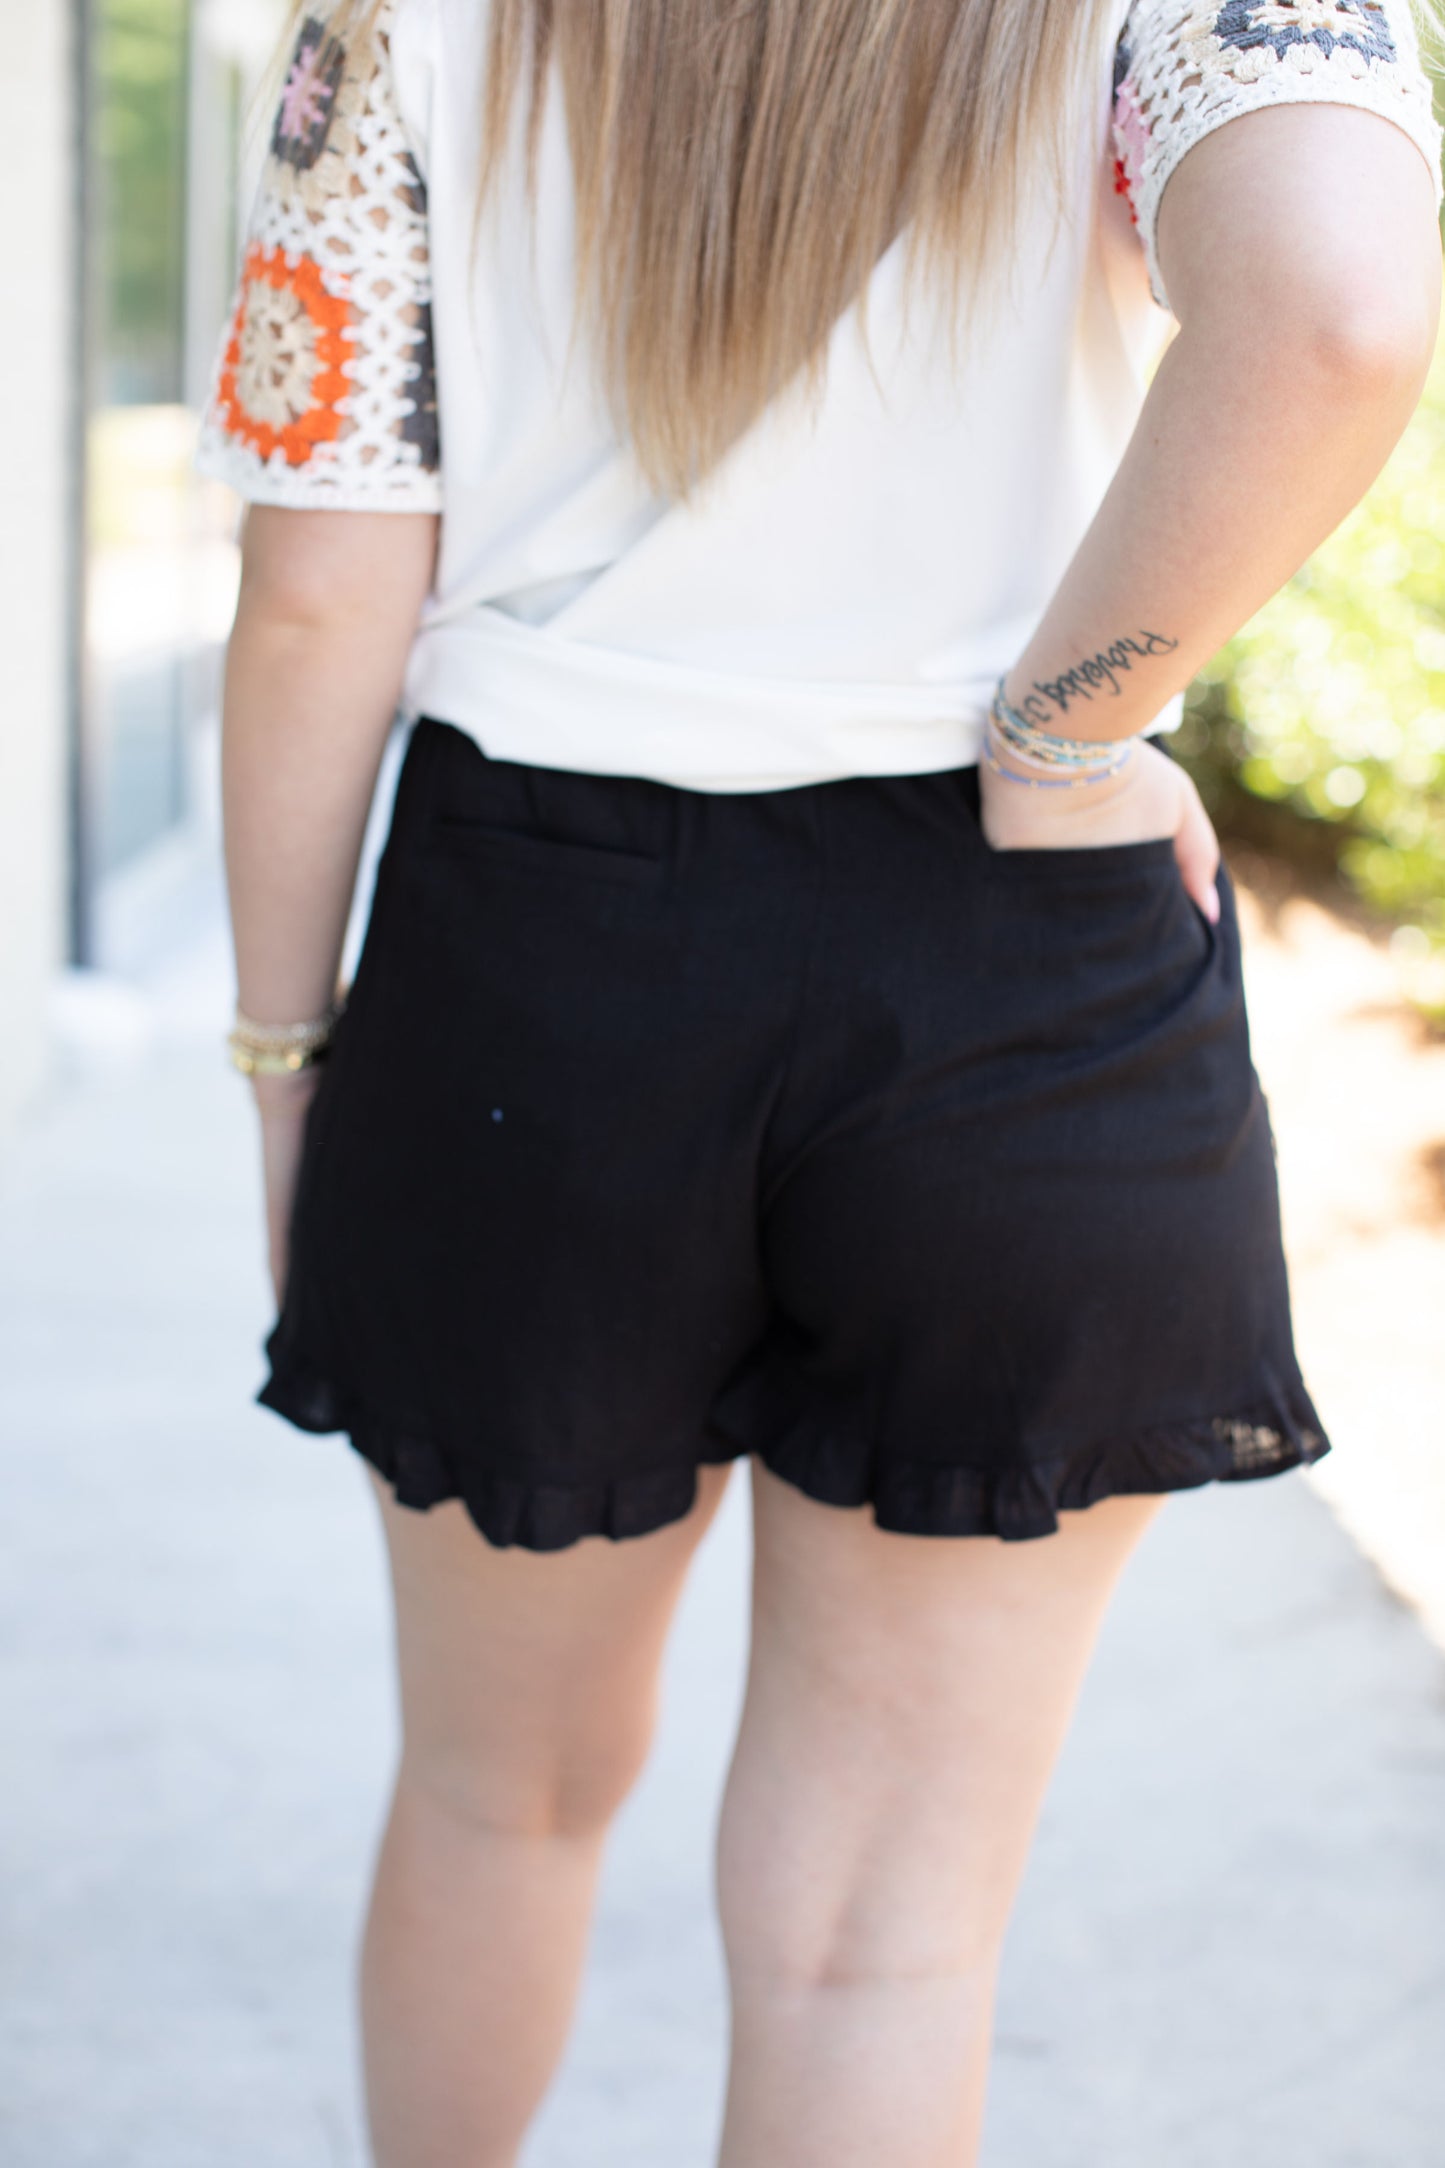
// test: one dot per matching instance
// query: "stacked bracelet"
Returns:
(282, 1049)
(1081, 760)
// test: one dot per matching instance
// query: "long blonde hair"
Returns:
(741, 165)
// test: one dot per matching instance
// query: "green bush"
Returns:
(1321, 727)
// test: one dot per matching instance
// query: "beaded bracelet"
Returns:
(1087, 760)
(282, 1049)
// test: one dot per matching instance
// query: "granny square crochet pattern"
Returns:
(1360, 26)
(325, 388)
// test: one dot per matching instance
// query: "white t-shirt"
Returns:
(850, 583)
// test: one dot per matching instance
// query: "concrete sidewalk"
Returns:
(1230, 1954)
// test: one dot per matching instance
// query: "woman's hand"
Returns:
(1151, 797)
(282, 1103)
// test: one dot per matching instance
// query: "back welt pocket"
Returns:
(1069, 861)
(519, 850)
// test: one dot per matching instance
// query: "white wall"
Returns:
(35, 377)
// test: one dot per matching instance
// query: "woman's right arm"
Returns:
(328, 609)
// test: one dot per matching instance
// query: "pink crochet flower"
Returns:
(306, 99)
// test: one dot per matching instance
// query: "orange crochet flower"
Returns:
(283, 375)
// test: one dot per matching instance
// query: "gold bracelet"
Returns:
(290, 1064)
(282, 1049)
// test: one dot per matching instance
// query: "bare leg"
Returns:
(906, 1701)
(527, 1690)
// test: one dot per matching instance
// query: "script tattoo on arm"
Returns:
(1099, 673)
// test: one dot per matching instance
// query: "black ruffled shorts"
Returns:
(666, 1126)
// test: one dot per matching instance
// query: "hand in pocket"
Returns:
(1150, 799)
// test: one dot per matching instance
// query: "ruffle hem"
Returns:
(908, 1496)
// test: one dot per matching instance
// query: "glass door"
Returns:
(166, 84)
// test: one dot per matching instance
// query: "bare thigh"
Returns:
(906, 1701)
(528, 1681)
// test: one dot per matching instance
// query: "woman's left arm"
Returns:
(1301, 254)
(1302, 258)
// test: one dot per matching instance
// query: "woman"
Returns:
(775, 1036)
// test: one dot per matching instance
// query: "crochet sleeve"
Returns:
(1184, 67)
(324, 393)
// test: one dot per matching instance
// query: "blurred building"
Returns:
(121, 123)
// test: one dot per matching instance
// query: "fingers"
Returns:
(1196, 847)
